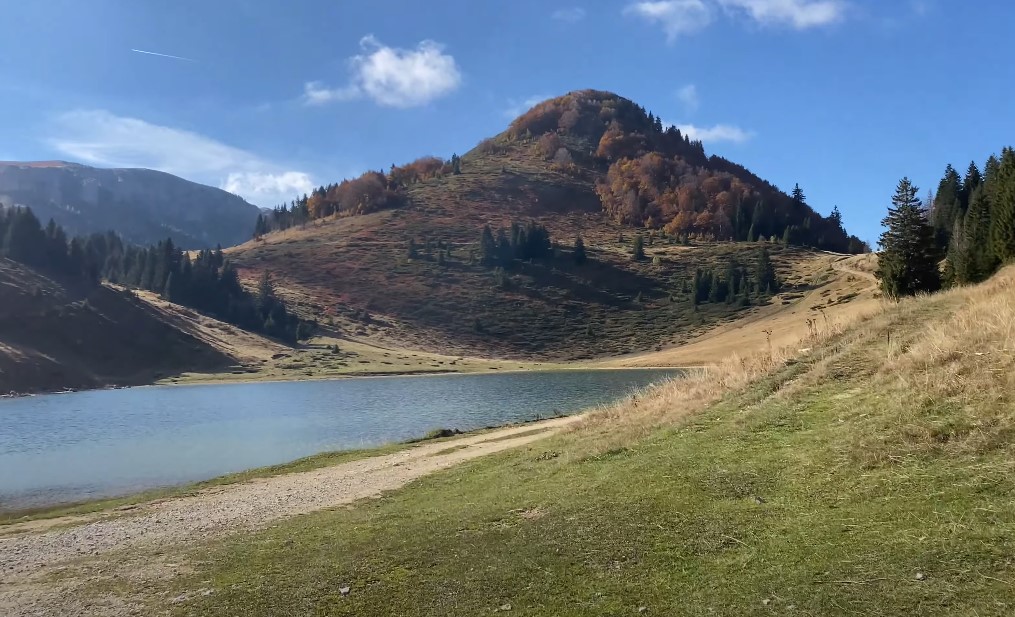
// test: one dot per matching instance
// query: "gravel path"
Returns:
(28, 554)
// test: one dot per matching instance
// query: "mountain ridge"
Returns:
(142, 205)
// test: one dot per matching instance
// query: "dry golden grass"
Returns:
(946, 363)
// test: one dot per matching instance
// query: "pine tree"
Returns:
(487, 246)
(265, 293)
(1002, 197)
(970, 183)
(957, 267)
(799, 199)
(764, 272)
(979, 262)
(579, 251)
(638, 251)
(909, 258)
(947, 205)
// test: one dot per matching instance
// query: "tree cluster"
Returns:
(207, 283)
(974, 219)
(736, 283)
(521, 242)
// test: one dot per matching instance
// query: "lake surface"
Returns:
(85, 445)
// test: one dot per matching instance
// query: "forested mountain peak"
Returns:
(595, 146)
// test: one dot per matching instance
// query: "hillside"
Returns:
(142, 205)
(868, 472)
(397, 256)
(57, 334)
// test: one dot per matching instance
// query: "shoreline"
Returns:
(111, 504)
(221, 379)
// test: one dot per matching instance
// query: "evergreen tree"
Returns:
(638, 250)
(908, 263)
(970, 183)
(835, 218)
(947, 205)
(765, 276)
(265, 293)
(579, 251)
(487, 246)
(799, 199)
(1002, 198)
(978, 257)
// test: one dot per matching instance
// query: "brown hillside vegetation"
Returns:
(395, 256)
(69, 335)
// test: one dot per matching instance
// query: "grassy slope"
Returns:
(555, 311)
(873, 475)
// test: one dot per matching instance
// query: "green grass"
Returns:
(813, 492)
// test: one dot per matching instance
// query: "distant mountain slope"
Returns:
(142, 205)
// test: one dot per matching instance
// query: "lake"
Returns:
(85, 445)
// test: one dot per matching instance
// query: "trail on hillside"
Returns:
(31, 551)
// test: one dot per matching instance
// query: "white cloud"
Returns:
(516, 108)
(393, 77)
(688, 95)
(570, 15)
(676, 17)
(799, 14)
(315, 93)
(716, 134)
(98, 137)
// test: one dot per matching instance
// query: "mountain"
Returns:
(402, 255)
(142, 205)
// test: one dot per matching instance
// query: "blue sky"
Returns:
(843, 96)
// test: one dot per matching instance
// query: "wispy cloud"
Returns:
(155, 53)
(392, 77)
(570, 15)
(717, 133)
(682, 17)
(98, 137)
(688, 95)
(676, 17)
(799, 14)
(516, 108)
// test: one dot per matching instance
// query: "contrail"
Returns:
(153, 53)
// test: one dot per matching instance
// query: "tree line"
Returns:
(207, 282)
(969, 225)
